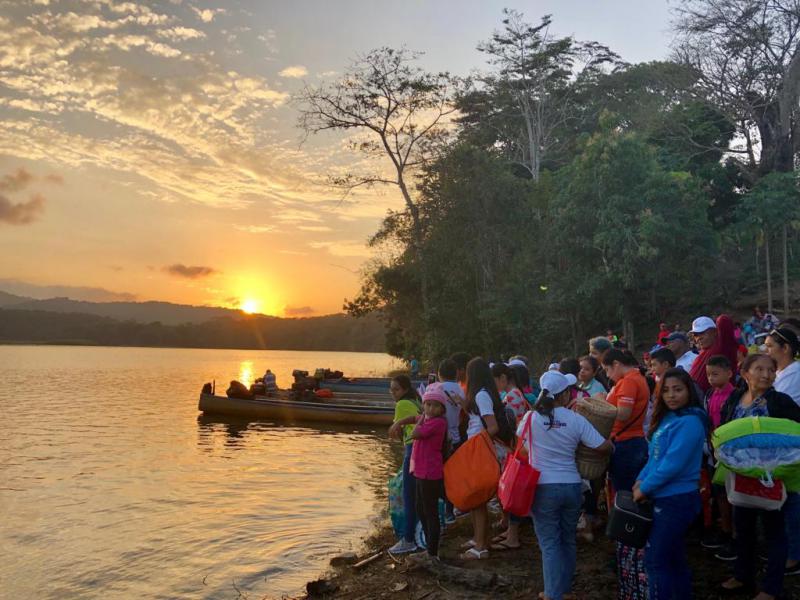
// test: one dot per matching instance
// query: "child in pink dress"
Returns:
(427, 462)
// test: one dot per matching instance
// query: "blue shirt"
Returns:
(676, 451)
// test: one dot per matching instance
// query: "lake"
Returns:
(113, 486)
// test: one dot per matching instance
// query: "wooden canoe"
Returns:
(352, 412)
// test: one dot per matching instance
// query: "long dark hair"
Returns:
(660, 408)
(546, 405)
(404, 381)
(511, 374)
(479, 376)
(783, 336)
(615, 354)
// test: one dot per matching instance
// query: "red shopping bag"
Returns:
(517, 486)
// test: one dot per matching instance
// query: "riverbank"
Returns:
(512, 575)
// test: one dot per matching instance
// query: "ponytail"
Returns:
(545, 406)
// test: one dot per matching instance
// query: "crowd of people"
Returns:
(668, 404)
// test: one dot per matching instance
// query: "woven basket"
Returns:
(591, 464)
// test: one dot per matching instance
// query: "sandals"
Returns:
(500, 538)
(474, 554)
(504, 545)
(468, 544)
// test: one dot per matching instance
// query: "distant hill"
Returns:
(332, 332)
(7, 299)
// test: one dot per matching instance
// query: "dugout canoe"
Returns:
(343, 411)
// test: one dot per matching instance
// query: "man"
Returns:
(678, 342)
(704, 330)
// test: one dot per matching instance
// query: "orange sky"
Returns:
(148, 151)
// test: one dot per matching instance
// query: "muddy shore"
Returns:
(512, 575)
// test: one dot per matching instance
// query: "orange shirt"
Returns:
(631, 391)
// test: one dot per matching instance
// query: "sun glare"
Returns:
(249, 306)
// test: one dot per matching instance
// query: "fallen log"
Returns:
(366, 561)
(473, 578)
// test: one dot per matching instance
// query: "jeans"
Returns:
(409, 497)
(629, 458)
(428, 493)
(556, 509)
(744, 569)
(791, 514)
(668, 574)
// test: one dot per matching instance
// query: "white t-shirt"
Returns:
(553, 452)
(686, 361)
(484, 403)
(788, 381)
(453, 411)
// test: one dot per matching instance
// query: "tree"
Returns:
(746, 54)
(404, 112)
(528, 99)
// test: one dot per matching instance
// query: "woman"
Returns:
(587, 380)
(758, 399)
(481, 398)
(670, 479)
(407, 407)
(631, 396)
(782, 345)
(598, 348)
(712, 338)
(551, 441)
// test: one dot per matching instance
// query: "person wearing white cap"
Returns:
(553, 434)
(704, 330)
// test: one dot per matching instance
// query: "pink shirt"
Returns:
(426, 454)
(716, 400)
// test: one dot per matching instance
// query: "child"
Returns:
(505, 379)
(719, 372)
(586, 380)
(448, 376)
(427, 462)
(407, 407)
(670, 478)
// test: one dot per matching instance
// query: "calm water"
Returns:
(111, 487)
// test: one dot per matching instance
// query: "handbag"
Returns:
(754, 492)
(517, 486)
(472, 472)
(630, 522)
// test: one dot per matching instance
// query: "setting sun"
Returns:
(250, 306)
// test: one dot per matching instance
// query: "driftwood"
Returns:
(473, 578)
(366, 561)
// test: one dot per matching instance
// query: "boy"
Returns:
(661, 361)
(719, 372)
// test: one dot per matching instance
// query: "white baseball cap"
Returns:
(554, 382)
(571, 378)
(701, 324)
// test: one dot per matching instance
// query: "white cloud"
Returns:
(294, 72)
(314, 228)
(206, 15)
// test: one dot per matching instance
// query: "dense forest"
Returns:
(562, 191)
(333, 332)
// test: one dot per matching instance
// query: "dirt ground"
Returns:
(520, 570)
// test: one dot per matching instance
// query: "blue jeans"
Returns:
(556, 509)
(791, 514)
(409, 497)
(628, 460)
(744, 569)
(668, 574)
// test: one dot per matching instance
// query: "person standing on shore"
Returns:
(598, 348)
(678, 342)
(407, 407)
(427, 463)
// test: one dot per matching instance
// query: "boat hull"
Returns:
(280, 409)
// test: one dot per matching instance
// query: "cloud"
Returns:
(181, 33)
(255, 228)
(298, 311)
(314, 228)
(189, 272)
(294, 72)
(21, 213)
(343, 248)
(206, 15)
(16, 181)
(54, 178)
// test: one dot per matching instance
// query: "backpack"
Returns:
(504, 417)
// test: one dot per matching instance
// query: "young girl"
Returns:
(482, 396)
(408, 406)
(427, 462)
(505, 378)
(670, 479)
(586, 376)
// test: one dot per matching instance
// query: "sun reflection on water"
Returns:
(246, 372)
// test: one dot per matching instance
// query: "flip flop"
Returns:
(500, 538)
(503, 545)
(474, 554)
(468, 544)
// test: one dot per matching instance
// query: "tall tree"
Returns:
(404, 113)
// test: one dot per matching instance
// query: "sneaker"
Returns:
(403, 547)
(713, 540)
(726, 553)
(793, 570)
(450, 519)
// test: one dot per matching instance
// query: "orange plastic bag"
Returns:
(471, 473)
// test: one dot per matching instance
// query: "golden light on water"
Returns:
(246, 372)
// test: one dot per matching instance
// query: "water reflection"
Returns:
(246, 372)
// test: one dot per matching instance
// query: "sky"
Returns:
(150, 151)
